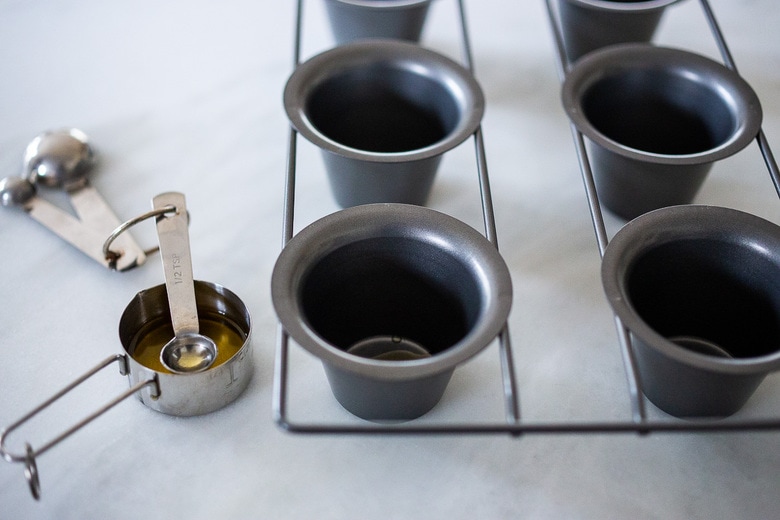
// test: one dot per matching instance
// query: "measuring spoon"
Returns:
(59, 159)
(189, 351)
(62, 159)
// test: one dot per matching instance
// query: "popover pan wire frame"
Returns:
(640, 423)
(282, 368)
(513, 424)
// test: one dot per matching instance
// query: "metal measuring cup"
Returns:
(148, 315)
(213, 375)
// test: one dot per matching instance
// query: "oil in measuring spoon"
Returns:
(148, 343)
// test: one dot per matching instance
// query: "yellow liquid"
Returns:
(400, 355)
(148, 343)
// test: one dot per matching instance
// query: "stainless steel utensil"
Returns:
(188, 351)
(192, 374)
(62, 159)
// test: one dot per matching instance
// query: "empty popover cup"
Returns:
(656, 120)
(391, 298)
(359, 19)
(383, 112)
(698, 287)
(587, 25)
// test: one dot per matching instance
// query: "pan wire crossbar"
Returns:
(513, 424)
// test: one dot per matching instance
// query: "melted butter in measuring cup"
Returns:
(147, 344)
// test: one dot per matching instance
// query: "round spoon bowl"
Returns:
(59, 159)
(189, 353)
(15, 191)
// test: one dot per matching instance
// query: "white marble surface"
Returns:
(186, 96)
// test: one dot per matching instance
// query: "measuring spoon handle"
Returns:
(173, 234)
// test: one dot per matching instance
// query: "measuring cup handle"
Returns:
(28, 458)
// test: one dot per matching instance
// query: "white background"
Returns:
(186, 96)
